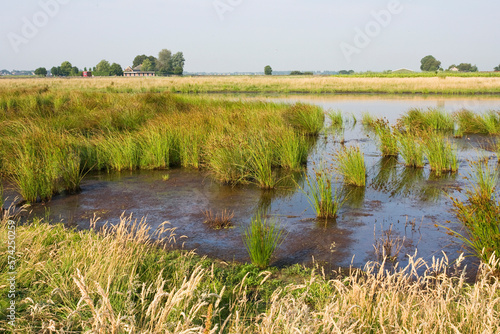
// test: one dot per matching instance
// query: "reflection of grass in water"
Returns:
(386, 173)
(435, 186)
(407, 182)
(354, 196)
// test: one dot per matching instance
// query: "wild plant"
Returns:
(350, 163)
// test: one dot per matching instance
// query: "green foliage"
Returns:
(470, 122)
(115, 69)
(103, 68)
(432, 119)
(336, 118)
(466, 67)
(351, 165)
(41, 71)
(480, 213)
(387, 139)
(411, 149)
(306, 118)
(440, 153)
(147, 65)
(178, 63)
(164, 62)
(323, 197)
(268, 70)
(65, 68)
(261, 240)
(430, 64)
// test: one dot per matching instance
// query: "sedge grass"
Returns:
(441, 154)
(220, 220)
(387, 139)
(306, 118)
(325, 198)
(470, 122)
(336, 118)
(411, 149)
(432, 119)
(261, 240)
(350, 163)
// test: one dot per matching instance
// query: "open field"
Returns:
(274, 84)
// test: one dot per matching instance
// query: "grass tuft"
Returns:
(350, 163)
(219, 221)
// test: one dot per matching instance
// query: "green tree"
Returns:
(116, 69)
(138, 60)
(429, 64)
(164, 62)
(74, 71)
(65, 68)
(497, 68)
(147, 65)
(103, 68)
(268, 70)
(55, 71)
(466, 67)
(178, 63)
(41, 71)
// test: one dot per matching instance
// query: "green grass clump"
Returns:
(322, 195)
(306, 118)
(411, 149)
(368, 121)
(260, 163)
(387, 139)
(336, 118)
(261, 240)
(470, 122)
(479, 214)
(432, 119)
(293, 149)
(350, 163)
(441, 154)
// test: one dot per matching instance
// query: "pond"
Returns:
(409, 204)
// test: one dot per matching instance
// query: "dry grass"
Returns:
(120, 280)
(220, 220)
(284, 84)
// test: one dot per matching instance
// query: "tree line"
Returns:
(164, 64)
(431, 64)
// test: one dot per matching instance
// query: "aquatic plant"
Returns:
(325, 198)
(368, 121)
(306, 118)
(292, 149)
(261, 240)
(387, 139)
(432, 119)
(410, 149)
(220, 220)
(470, 122)
(336, 118)
(479, 214)
(350, 163)
(260, 161)
(441, 154)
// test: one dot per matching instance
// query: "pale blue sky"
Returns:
(246, 35)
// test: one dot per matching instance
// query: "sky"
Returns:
(246, 35)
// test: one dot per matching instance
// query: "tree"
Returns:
(465, 67)
(103, 68)
(41, 71)
(65, 68)
(268, 70)
(147, 65)
(116, 69)
(74, 71)
(138, 60)
(164, 62)
(55, 71)
(497, 68)
(85, 69)
(178, 63)
(430, 64)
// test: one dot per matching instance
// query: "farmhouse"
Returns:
(137, 72)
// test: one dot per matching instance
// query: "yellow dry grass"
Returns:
(280, 84)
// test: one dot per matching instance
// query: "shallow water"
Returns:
(411, 201)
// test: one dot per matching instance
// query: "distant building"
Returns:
(87, 74)
(454, 69)
(137, 72)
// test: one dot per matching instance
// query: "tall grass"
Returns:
(350, 163)
(441, 154)
(432, 119)
(411, 149)
(293, 149)
(261, 240)
(387, 139)
(336, 118)
(325, 198)
(470, 122)
(261, 161)
(479, 214)
(306, 118)
(120, 279)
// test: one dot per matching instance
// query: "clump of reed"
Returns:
(387, 138)
(479, 214)
(411, 149)
(336, 118)
(325, 198)
(441, 154)
(221, 220)
(293, 149)
(261, 240)
(350, 163)
(306, 118)
(432, 119)
(368, 121)
(470, 122)
(260, 162)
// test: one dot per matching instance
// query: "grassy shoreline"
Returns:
(450, 85)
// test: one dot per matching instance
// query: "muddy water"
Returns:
(406, 201)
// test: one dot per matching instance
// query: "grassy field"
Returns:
(452, 85)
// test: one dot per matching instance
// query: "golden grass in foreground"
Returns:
(275, 84)
(119, 280)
